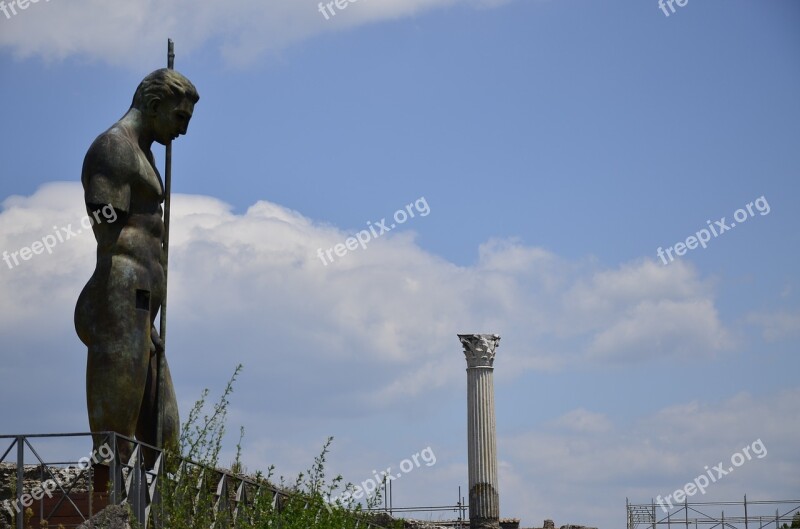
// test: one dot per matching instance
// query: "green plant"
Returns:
(189, 491)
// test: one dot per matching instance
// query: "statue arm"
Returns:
(100, 190)
(106, 171)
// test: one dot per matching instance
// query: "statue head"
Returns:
(166, 98)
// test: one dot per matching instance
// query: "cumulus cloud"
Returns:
(644, 310)
(133, 32)
(380, 321)
(254, 283)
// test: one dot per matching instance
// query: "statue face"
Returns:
(171, 119)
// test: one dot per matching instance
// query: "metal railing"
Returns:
(132, 482)
(135, 472)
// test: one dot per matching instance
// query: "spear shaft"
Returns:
(161, 367)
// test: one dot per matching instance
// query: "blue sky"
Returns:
(557, 144)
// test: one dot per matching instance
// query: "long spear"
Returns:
(161, 368)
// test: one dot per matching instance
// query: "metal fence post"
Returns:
(20, 481)
(745, 511)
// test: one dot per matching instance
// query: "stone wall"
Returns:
(32, 480)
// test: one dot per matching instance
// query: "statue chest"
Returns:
(146, 184)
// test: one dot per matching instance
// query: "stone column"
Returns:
(484, 499)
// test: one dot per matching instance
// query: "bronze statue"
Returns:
(116, 310)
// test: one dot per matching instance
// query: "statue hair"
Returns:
(164, 84)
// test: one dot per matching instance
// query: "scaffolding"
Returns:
(745, 514)
(461, 508)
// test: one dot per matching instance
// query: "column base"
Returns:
(484, 523)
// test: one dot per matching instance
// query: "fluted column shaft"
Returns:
(484, 500)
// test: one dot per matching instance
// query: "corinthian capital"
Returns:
(479, 348)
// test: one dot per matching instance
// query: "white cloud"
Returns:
(255, 279)
(652, 327)
(644, 310)
(134, 32)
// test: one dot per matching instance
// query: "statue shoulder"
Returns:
(112, 153)
(110, 164)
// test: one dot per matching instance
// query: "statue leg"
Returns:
(146, 427)
(119, 352)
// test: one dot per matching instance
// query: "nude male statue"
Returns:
(115, 313)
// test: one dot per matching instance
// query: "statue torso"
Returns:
(117, 171)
